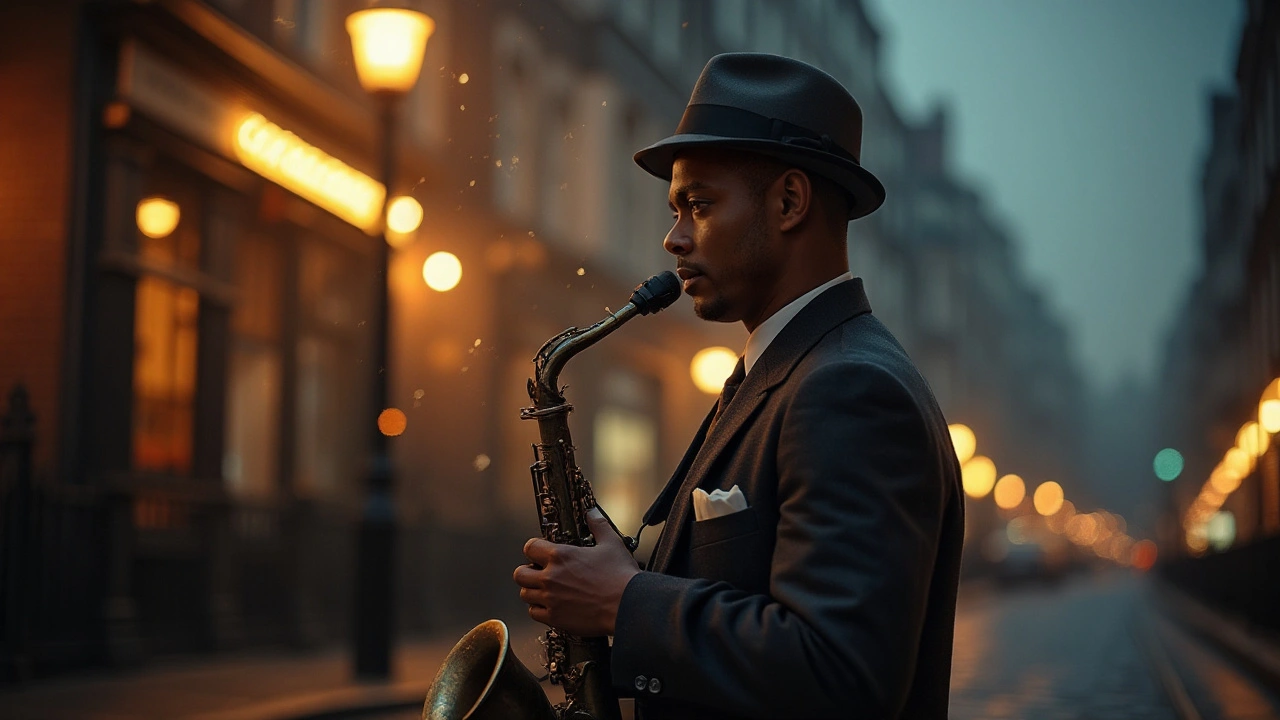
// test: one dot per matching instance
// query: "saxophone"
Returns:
(482, 679)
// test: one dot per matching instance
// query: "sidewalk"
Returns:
(1258, 650)
(258, 686)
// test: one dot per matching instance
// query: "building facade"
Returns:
(1222, 515)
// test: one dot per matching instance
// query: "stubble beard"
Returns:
(749, 269)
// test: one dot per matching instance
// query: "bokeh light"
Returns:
(1225, 480)
(978, 476)
(1010, 491)
(442, 271)
(392, 422)
(1048, 498)
(404, 215)
(1238, 461)
(1269, 415)
(965, 442)
(1168, 464)
(1253, 439)
(711, 367)
(1143, 555)
(1220, 531)
(157, 216)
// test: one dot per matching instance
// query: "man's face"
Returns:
(726, 256)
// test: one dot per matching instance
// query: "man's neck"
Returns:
(794, 289)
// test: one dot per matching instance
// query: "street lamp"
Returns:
(387, 45)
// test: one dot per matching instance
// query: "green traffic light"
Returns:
(1168, 464)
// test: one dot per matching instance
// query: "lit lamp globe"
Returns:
(388, 45)
(710, 367)
(157, 217)
(442, 271)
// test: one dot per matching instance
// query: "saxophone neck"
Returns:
(544, 388)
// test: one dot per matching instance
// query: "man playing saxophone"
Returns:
(808, 563)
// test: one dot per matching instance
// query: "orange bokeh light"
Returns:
(392, 422)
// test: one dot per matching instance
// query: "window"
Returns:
(332, 422)
(166, 335)
(626, 448)
(164, 375)
(250, 458)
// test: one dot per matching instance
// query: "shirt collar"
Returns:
(766, 331)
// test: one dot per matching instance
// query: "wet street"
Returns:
(1089, 648)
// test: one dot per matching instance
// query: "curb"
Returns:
(1256, 651)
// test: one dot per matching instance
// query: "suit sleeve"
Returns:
(861, 500)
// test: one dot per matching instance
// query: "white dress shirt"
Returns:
(766, 331)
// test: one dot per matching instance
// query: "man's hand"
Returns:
(577, 589)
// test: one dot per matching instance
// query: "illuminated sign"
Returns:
(289, 161)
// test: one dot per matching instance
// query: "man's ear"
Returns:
(797, 199)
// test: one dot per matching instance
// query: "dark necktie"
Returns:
(726, 395)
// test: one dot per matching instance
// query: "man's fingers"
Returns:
(527, 576)
(601, 530)
(540, 551)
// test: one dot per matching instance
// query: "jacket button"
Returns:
(641, 682)
(655, 686)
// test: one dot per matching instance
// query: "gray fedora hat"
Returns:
(778, 107)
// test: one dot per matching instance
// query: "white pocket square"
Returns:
(718, 503)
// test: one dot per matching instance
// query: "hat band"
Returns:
(734, 123)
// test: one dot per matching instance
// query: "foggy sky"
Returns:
(1086, 124)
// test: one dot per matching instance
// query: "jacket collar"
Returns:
(826, 312)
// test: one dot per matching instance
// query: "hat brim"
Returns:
(866, 190)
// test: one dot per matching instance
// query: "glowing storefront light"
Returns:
(157, 217)
(289, 161)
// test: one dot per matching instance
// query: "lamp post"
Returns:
(387, 45)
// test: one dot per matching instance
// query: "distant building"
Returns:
(1222, 356)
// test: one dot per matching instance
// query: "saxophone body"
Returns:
(482, 678)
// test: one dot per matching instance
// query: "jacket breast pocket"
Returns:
(725, 527)
(729, 548)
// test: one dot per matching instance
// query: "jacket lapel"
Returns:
(823, 314)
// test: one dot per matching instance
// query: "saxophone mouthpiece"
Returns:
(656, 293)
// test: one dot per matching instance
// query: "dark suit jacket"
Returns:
(833, 594)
